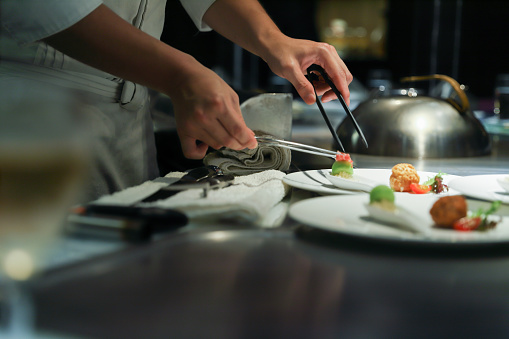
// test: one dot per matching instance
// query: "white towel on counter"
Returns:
(255, 199)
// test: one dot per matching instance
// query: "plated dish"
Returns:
(348, 215)
(484, 187)
(318, 182)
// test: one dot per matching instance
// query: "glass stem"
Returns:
(17, 313)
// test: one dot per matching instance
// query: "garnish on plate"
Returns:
(420, 189)
(451, 212)
(434, 184)
(478, 220)
(437, 183)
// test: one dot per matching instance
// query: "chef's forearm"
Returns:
(245, 23)
(107, 42)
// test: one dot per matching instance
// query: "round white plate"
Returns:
(347, 215)
(316, 180)
(484, 187)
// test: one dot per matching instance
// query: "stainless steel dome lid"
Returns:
(417, 126)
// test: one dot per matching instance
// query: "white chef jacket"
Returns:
(124, 144)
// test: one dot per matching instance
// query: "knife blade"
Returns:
(192, 179)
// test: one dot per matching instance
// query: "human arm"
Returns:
(206, 108)
(247, 24)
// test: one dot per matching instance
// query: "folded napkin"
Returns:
(248, 161)
(255, 199)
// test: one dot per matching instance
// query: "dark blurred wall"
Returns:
(422, 38)
(474, 59)
(294, 17)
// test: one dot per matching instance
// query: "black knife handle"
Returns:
(131, 224)
(151, 214)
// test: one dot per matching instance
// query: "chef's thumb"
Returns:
(193, 149)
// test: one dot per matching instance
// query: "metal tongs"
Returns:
(295, 146)
(315, 77)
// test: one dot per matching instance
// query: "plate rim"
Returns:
(338, 191)
(478, 196)
(397, 238)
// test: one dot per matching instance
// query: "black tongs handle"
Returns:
(314, 77)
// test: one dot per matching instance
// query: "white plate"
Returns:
(504, 182)
(316, 180)
(355, 183)
(347, 215)
(483, 187)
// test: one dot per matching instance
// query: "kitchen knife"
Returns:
(200, 175)
(131, 224)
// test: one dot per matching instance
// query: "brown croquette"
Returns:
(447, 210)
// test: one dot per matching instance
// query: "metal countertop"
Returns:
(292, 281)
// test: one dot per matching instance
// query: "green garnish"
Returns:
(381, 193)
(437, 183)
(495, 205)
(431, 180)
(481, 213)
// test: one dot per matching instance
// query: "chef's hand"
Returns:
(291, 58)
(207, 113)
(206, 108)
(247, 24)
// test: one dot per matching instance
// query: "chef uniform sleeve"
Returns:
(27, 21)
(196, 9)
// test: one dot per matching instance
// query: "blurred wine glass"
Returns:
(43, 157)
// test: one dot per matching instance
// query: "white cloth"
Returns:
(256, 199)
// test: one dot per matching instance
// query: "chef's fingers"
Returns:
(196, 143)
(233, 123)
(321, 87)
(339, 74)
(192, 148)
(299, 81)
(217, 136)
(214, 134)
(224, 126)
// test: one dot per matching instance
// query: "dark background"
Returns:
(474, 58)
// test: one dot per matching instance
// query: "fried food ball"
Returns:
(447, 210)
(402, 176)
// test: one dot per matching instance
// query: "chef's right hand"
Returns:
(207, 113)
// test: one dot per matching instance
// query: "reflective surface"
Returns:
(280, 284)
(414, 127)
(235, 281)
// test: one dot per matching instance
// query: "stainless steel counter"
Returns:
(290, 282)
(495, 163)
